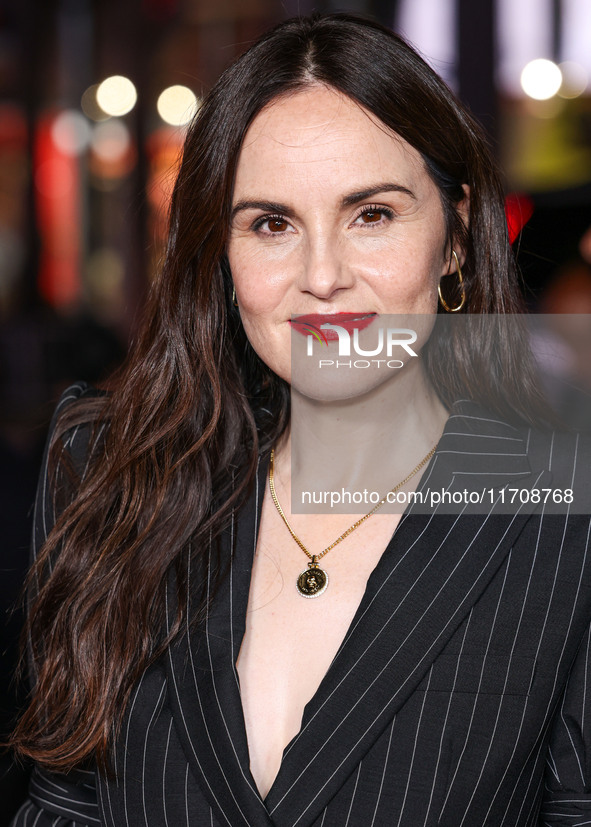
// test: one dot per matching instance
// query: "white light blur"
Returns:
(176, 105)
(430, 25)
(71, 132)
(524, 32)
(576, 32)
(574, 79)
(89, 104)
(116, 95)
(111, 140)
(541, 79)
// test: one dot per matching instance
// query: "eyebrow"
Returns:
(266, 206)
(347, 200)
(363, 195)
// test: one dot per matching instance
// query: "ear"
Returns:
(463, 211)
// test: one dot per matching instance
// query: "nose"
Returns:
(325, 268)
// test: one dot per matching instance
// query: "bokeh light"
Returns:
(89, 104)
(574, 79)
(71, 132)
(111, 140)
(116, 95)
(541, 79)
(104, 281)
(177, 105)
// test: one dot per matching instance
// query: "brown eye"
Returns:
(277, 225)
(272, 225)
(371, 216)
(374, 215)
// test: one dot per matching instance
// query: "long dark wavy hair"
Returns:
(193, 406)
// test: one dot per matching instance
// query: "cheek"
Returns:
(405, 278)
(259, 293)
(270, 344)
(258, 306)
(260, 284)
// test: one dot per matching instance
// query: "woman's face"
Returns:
(332, 213)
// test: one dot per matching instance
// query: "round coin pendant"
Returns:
(313, 581)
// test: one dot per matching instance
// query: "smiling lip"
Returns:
(308, 322)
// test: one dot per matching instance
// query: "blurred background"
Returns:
(94, 98)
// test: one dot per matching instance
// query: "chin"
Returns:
(342, 384)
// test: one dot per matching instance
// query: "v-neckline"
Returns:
(430, 574)
(242, 629)
(240, 608)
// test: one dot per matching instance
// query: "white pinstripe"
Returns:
(383, 772)
(185, 722)
(101, 803)
(524, 603)
(164, 773)
(414, 749)
(535, 806)
(135, 697)
(552, 763)
(99, 786)
(449, 703)
(187, 794)
(150, 722)
(487, 436)
(64, 808)
(220, 707)
(506, 573)
(196, 682)
(59, 406)
(478, 454)
(353, 795)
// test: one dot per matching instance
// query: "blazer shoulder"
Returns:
(567, 456)
(555, 450)
(75, 426)
(558, 449)
(564, 455)
(74, 432)
(80, 403)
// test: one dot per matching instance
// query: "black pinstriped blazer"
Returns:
(459, 696)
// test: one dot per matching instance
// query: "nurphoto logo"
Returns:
(389, 342)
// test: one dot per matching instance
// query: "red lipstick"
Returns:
(311, 323)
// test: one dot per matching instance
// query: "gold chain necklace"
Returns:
(312, 582)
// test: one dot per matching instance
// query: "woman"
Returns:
(177, 671)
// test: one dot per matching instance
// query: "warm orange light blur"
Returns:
(57, 201)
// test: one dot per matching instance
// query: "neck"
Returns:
(367, 443)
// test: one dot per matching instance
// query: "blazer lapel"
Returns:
(433, 571)
(204, 688)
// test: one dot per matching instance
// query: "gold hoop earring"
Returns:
(444, 304)
(234, 302)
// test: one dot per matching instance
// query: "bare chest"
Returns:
(290, 641)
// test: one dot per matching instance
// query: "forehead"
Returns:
(318, 133)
